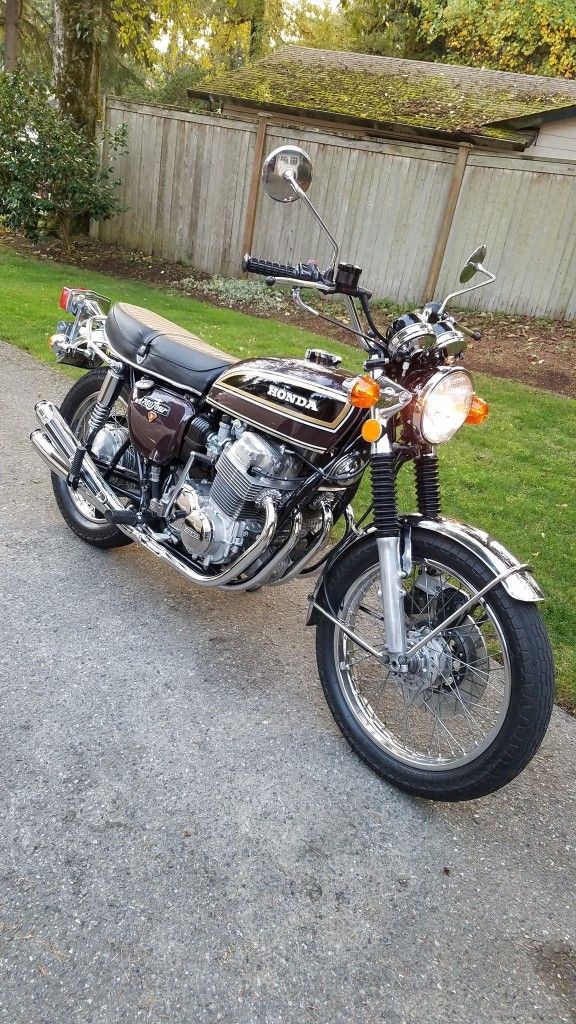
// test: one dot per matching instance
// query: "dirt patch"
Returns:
(538, 352)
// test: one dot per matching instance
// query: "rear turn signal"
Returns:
(478, 412)
(371, 430)
(364, 392)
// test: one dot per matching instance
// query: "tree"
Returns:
(388, 27)
(77, 54)
(119, 36)
(321, 26)
(11, 34)
(530, 36)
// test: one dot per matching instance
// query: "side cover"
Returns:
(299, 402)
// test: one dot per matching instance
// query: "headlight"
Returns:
(442, 405)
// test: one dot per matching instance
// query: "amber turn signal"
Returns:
(478, 411)
(371, 430)
(364, 392)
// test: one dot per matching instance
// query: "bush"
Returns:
(50, 173)
(233, 292)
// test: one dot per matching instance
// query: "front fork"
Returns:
(386, 522)
(388, 543)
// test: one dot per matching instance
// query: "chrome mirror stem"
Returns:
(289, 176)
(480, 284)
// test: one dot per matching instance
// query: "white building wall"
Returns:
(556, 139)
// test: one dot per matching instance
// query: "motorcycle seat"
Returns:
(163, 349)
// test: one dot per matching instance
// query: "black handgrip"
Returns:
(268, 268)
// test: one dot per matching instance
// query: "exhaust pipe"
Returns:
(57, 444)
(58, 463)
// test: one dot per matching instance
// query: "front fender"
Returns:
(520, 585)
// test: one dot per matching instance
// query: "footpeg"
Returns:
(129, 517)
(125, 517)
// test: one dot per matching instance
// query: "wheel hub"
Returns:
(448, 673)
(428, 666)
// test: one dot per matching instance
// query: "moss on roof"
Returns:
(422, 101)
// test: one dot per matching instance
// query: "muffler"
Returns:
(56, 443)
(57, 446)
(58, 462)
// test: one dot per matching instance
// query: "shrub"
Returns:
(50, 173)
(236, 292)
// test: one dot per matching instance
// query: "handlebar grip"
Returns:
(269, 268)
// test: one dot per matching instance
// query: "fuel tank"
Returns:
(296, 401)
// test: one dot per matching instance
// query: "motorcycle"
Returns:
(430, 646)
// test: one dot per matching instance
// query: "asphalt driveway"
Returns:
(187, 838)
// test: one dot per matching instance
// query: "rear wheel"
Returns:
(87, 522)
(474, 705)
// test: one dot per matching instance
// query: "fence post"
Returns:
(446, 222)
(250, 221)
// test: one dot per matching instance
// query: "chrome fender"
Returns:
(521, 585)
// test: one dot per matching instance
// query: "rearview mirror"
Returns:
(283, 166)
(473, 264)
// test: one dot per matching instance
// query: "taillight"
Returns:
(67, 297)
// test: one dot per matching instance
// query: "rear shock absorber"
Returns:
(428, 485)
(111, 388)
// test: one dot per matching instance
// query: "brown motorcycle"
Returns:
(431, 650)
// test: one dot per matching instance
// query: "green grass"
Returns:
(514, 477)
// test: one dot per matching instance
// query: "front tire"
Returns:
(473, 712)
(84, 520)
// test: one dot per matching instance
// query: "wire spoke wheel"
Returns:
(471, 707)
(451, 703)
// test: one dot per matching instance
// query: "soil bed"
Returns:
(538, 352)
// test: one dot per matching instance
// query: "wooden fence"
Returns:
(408, 214)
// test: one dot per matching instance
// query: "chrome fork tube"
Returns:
(388, 545)
(392, 593)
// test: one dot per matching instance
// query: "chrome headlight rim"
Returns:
(419, 408)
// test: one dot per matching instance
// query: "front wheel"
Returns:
(474, 705)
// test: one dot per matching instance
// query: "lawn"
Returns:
(514, 477)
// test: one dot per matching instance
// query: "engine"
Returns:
(223, 515)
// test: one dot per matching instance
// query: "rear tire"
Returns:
(518, 726)
(92, 528)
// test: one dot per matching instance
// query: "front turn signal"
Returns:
(478, 412)
(364, 392)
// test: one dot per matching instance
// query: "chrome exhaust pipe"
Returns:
(309, 555)
(58, 463)
(58, 446)
(264, 574)
(242, 563)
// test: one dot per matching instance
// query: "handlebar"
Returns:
(475, 335)
(304, 272)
